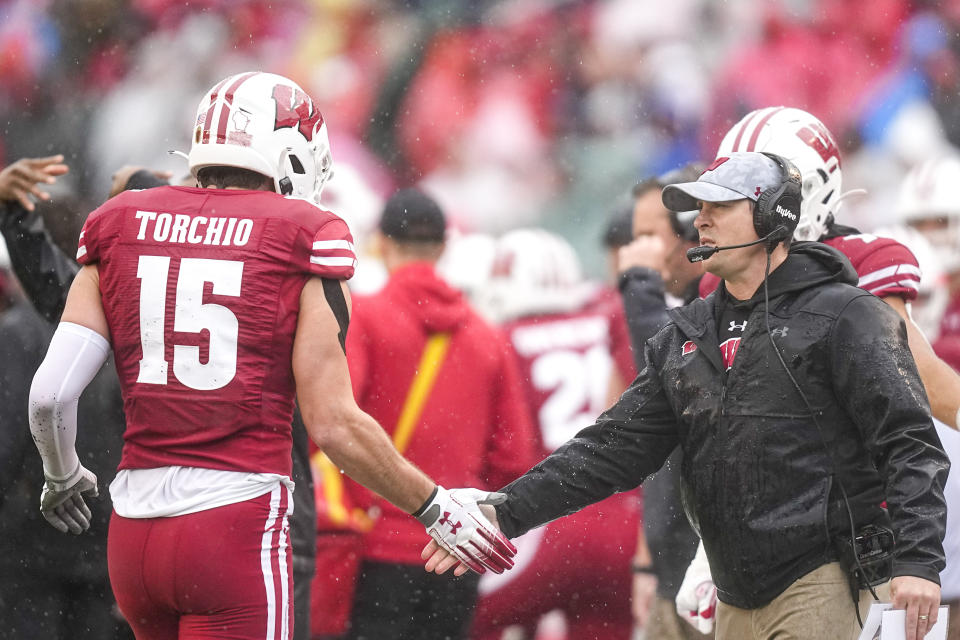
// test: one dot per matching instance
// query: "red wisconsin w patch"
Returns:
(729, 350)
(689, 347)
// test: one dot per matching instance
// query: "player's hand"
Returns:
(697, 597)
(644, 592)
(921, 599)
(62, 503)
(459, 529)
(19, 180)
(645, 251)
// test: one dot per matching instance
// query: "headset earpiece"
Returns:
(780, 205)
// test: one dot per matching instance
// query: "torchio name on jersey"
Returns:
(181, 228)
(201, 290)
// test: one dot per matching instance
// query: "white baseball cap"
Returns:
(731, 177)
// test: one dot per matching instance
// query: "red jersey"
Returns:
(886, 267)
(947, 344)
(201, 291)
(567, 359)
(609, 302)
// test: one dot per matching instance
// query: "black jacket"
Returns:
(31, 551)
(757, 474)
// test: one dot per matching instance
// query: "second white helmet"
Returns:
(929, 200)
(806, 142)
(534, 272)
(266, 123)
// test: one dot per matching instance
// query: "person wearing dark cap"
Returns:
(446, 387)
(799, 410)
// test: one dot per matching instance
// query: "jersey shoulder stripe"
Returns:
(332, 253)
(886, 267)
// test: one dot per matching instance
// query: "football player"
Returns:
(219, 302)
(930, 204)
(562, 329)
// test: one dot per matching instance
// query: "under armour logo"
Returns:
(757, 192)
(734, 326)
(446, 520)
(782, 332)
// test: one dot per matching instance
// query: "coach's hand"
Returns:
(463, 534)
(921, 599)
(62, 503)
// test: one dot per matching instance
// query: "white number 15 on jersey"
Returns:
(191, 315)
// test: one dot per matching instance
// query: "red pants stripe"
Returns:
(223, 572)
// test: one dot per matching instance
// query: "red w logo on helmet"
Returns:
(816, 136)
(295, 109)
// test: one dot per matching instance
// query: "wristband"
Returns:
(419, 512)
(642, 568)
(956, 420)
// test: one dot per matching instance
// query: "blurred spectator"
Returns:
(930, 203)
(507, 112)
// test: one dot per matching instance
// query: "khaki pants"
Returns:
(814, 607)
(665, 624)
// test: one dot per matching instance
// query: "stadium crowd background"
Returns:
(511, 112)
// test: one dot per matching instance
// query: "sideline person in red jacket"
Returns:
(446, 386)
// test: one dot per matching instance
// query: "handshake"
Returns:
(459, 521)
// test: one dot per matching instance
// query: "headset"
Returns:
(779, 206)
(775, 214)
(682, 224)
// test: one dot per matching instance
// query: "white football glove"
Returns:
(62, 504)
(697, 597)
(453, 519)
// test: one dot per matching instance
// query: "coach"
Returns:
(798, 418)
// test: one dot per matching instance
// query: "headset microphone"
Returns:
(699, 254)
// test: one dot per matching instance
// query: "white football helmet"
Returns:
(806, 142)
(929, 193)
(265, 123)
(930, 190)
(534, 272)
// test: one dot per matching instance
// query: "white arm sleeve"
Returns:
(74, 357)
